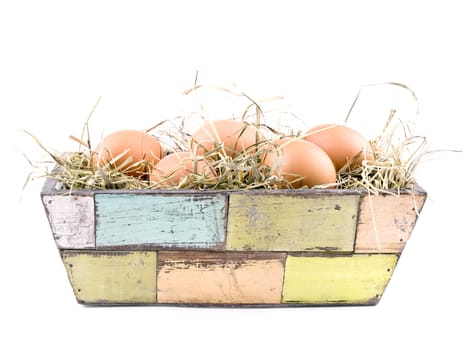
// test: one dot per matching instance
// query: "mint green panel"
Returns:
(179, 221)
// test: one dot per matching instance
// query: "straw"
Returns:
(391, 167)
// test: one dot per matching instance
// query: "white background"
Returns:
(58, 57)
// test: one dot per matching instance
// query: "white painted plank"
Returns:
(71, 220)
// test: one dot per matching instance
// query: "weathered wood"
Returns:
(170, 221)
(71, 220)
(112, 277)
(386, 221)
(288, 222)
(353, 279)
(259, 247)
(220, 277)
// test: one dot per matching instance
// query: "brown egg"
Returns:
(295, 158)
(130, 148)
(341, 143)
(236, 137)
(172, 168)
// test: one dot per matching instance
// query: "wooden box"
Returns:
(226, 248)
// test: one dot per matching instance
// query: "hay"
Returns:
(391, 168)
(394, 160)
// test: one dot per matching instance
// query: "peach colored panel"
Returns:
(386, 221)
(220, 278)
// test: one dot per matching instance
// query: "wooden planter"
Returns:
(258, 248)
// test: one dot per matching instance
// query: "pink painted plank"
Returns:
(386, 221)
(220, 277)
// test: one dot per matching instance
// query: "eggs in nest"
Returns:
(133, 152)
(300, 162)
(174, 167)
(311, 160)
(341, 143)
(224, 136)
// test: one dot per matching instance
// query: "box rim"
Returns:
(50, 188)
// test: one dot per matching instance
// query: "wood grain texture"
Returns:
(323, 280)
(171, 245)
(386, 221)
(71, 220)
(307, 222)
(112, 277)
(220, 278)
(188, 221)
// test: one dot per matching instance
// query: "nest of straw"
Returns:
(245, 170)
(392, 167)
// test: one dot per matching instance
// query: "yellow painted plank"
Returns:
(354, 279)
(304, 222)
(112, 277)
(386, 222)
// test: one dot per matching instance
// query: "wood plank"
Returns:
(112, 277)
(71, 220)
(386, 221)
(292, 222)
(220, 277)
(322, 280)
(169, 221)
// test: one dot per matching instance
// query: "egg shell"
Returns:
(172, 168)
(137, 146)
(234, 135)
(341, 143)
(296, 158)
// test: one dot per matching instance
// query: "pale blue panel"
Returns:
(161, 220)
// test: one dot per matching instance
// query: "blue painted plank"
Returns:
(178, 221)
